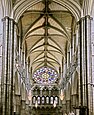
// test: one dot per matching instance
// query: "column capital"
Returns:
(9, 18)
(89, 17)
(3, 19)
(81, 19)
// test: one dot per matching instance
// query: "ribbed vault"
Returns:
(46, 29)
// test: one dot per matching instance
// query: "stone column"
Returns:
(62, 67)
(85, 66)
(18, 104)
(8, 65)
(5, 63)
(31, 74)
(11, 72)
(88, 55)
(30, 110)
(82, 62)
(23, 107)
(82, 58)
(15, 69)
(66, 66)
(64, 106)
(74, 101)
(82, 90)
(78, 61)
(27, 109)
(68, 106)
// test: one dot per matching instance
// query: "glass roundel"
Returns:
(45, 75)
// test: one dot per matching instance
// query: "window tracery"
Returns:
(45, 75)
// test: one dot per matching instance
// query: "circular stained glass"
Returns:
(45, 75)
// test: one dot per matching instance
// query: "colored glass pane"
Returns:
(45, 75)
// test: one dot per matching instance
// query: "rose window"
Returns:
(45, 75)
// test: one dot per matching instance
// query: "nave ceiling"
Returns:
(46, 29)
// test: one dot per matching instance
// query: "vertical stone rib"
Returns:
(81, 87)
(8, 66)
(11, 65)
(82, 58)
(14, 64)
(78, 33)
(5, 66)
(88, 64)
(83, 63)
(60, 72)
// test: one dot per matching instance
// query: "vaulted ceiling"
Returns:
(47, 28)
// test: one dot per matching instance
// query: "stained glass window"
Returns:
(45, 75)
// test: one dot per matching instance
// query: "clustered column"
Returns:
(7, 66)
(85, 66)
